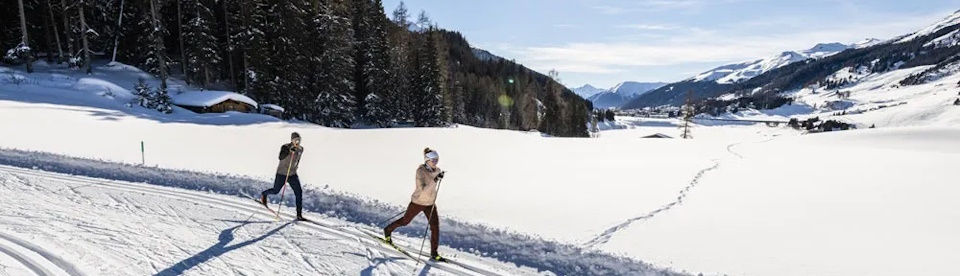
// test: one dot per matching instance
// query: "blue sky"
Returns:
(604, 42)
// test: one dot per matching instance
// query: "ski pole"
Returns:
(293, 155)
(391, 218)
(428, 227)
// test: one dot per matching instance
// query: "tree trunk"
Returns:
(229, 48)
(56, 33)
(243, 49)
(183, 54)
(46, 36)
(116, 39)
(83, 37)
(26, 39)
(66, 31)
(158, 39)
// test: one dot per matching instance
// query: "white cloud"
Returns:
(694, 45)
(657, 5)
(649, 27)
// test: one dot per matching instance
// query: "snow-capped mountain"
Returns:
(741, 71)
(928, 52)
(617, 95)
(630, 89)
(606, 99)
(865, 43)
(587, 90)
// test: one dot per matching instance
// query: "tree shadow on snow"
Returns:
(216, 250)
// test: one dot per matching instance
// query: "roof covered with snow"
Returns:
(209, 98)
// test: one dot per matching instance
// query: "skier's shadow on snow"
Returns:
(226, 236)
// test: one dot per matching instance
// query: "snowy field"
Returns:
(736, 200)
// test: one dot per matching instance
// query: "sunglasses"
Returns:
(435, 161)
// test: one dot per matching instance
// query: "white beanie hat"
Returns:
(432, 155)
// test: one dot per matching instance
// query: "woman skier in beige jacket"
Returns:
(423, 200)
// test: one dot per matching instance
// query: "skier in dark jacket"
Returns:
(287, 172)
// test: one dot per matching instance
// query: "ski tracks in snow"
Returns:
(378, 256)
(34, 258)
(608, 234)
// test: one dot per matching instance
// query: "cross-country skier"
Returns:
(287, 172)
(423, 199)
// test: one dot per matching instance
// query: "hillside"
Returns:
(930, 46)
(365, 69)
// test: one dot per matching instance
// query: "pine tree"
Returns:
(400, 94)
(203, 52)
(161, 100)
(156, 50)
(371, 54)
(143, 94)
(334, 103)
(428, 106)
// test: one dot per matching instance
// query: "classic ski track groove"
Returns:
(194, 196)
(50, 264)
(608, 234)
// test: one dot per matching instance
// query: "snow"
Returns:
(736, 200)
(948, 40)
(630, 89)
(273, 107)
(587, 91)
(722, 71)
(867, 42)
(950, 20)
(741, 71)
(485, 55)
(606, 99)
(209, 98)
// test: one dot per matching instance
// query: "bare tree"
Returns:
(26, 39)
(688, 112)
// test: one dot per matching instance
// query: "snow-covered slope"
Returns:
(484, 55)
(736, 200)
(587, 90)
(874, 100)
(606, 99)
(948, 40)
(617, 95)
(630, 89)
(865, 43)
(742, 71)
(361, 176)
(948, 21)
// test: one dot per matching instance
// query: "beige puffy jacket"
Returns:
(425, 193)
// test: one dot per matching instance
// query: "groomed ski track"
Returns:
(346, 233)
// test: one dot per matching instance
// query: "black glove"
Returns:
(440, 176)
